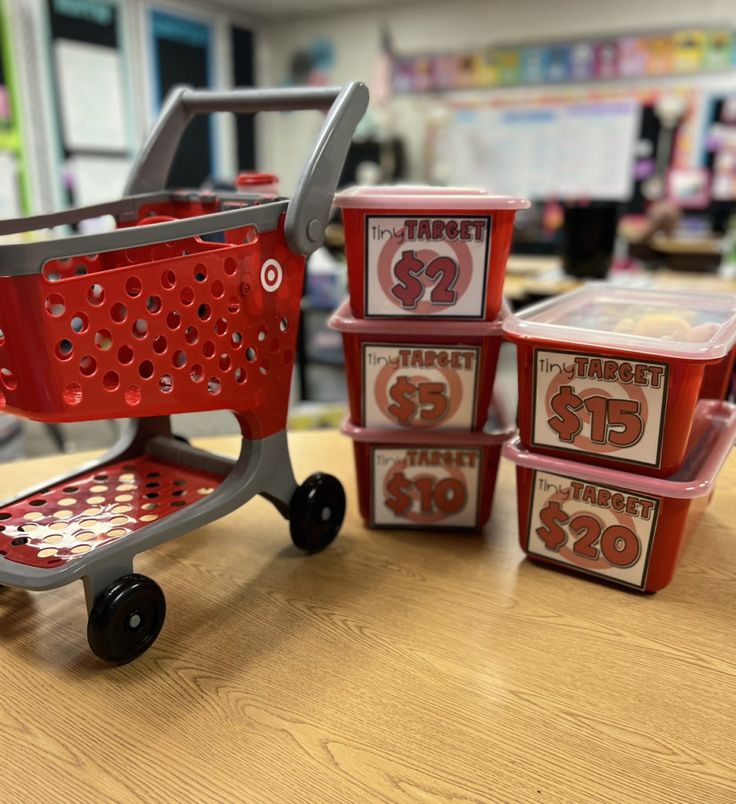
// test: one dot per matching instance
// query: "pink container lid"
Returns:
(412, 197)
(343, 321)
(711, 439)
(498, 430)
(657, 323)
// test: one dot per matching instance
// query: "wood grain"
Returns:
(393, 667)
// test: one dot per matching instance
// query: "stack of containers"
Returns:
(618, 441)
(421, 334)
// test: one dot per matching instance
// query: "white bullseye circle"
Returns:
(271, 275)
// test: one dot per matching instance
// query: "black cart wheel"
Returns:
(317, 511)
(126, 618)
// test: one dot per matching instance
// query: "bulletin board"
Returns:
(182, 54)
(91, 98)
(585, 60)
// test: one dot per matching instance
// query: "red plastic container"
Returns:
(426, 252)
(412, 479)
(250, 181)
(717, 377)
(622, 527)
(405, 374)
(611, 376)
(174, 327)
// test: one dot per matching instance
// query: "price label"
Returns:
(600, 530)
(600, 404)
(427, 265)
(419, 387)
(425, 487)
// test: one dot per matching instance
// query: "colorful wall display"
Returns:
(605, 59)
(13, 179)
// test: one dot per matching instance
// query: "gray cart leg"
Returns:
(126, 610)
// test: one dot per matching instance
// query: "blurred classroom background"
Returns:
(617, 120)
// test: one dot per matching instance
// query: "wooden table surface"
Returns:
(536, 277)
(392, 667)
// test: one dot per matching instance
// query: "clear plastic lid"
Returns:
(425, 197)
(711, 439)
(650, 322)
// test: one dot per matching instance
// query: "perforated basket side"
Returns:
(209, 330)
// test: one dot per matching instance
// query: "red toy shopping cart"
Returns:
(190, 304)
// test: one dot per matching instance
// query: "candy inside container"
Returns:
(660, 322)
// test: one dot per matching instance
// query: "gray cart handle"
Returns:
(309, 209)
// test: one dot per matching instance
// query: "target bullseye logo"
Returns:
(272, 275)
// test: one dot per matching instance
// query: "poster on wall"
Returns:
(88, 72)
(91, 99)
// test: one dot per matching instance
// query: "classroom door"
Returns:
(182, 55)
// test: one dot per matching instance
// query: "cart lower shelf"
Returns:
(151, 487)
(87, 513)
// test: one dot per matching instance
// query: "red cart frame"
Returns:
(191, 304)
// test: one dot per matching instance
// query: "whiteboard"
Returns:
(90, 80)
(581, 150)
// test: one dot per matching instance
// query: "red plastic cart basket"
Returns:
(192, 304)
(614, 525)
